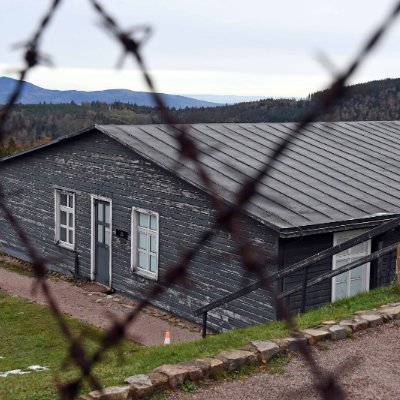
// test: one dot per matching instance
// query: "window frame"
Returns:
(57, 218)
(135, 230)
(339, 236)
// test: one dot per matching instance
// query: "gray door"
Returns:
(102, 241)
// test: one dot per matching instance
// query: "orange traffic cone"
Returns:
(167, 340)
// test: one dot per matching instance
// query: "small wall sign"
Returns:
(121, 234)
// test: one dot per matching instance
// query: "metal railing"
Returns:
(304, 264)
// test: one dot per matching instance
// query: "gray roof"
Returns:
(333, 175)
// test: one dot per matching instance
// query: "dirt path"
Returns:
(369, 367)
(95, 308)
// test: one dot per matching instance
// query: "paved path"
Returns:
(81, 304)
(371, 372)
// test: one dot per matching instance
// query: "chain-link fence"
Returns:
(228, 215)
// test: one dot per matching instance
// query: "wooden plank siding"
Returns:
(95, 164)
(382, 272)
(297, 249)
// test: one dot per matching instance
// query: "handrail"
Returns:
(304, 264)
(338, 271)
(383, 228)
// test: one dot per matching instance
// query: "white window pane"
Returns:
(107, 219)
(153, 264)
(356, 286)
(344, 253)
(63, 234)
(142, 260)
(343, 239)
(360, 248)
(107, 238)
(153, 222)
(342, 278)
(341, 290)
(153, 244)
(357, 273)
(64, 199)
(71, 201)
(100, 234)
(143, 241)
(70, 220)
(71, 236)
(63, 218)
(100, 212)
(144, 220)
(342, 263)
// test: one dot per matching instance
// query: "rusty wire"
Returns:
(228, 216)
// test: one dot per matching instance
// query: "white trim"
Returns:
(94, 197)
(366, 274)
(57, 209)
(65, 189)
(55, 216)
(134, 236)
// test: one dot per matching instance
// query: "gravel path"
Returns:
(95, 308)
(370, 366)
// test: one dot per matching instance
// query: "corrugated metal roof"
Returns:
(334, 174)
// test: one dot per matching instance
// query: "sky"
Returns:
(222, 47)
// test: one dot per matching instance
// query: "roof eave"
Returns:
(336, 226)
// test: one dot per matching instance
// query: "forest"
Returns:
(30, 125)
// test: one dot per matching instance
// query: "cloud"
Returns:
(260, 47)
(173, 81)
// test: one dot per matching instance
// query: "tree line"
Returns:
(38, 123)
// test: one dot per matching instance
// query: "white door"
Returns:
(355, 281)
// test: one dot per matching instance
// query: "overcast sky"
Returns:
(247, 47)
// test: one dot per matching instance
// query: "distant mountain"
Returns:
(33, 94)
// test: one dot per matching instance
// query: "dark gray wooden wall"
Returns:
(297, 249)
(293, 250)
(95, 164)
(383, 271)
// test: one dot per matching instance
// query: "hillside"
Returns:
(370, 101)
(33, 94)
(377, 100)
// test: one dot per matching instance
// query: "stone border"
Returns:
(258, 351)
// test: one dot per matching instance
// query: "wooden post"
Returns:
(398, 266)
(304, 293)
(204, 331)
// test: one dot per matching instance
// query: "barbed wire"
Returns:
(228, 215)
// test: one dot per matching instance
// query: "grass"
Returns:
(188, 386)
(29, 336)
(277, 364)
(18, 269)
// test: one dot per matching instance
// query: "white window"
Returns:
(65, 218)
(145, 242)
(356, 280)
